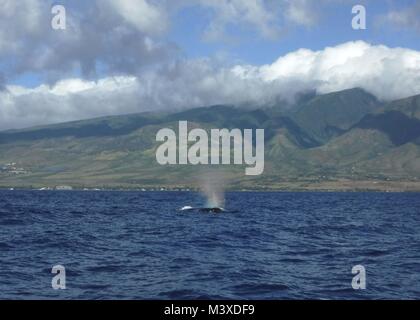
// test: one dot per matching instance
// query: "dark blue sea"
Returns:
(137, 245)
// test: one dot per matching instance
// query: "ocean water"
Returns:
(137, 245)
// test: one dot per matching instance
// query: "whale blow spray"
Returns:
(212, 186)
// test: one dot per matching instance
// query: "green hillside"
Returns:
(329, 115)
(340, 141)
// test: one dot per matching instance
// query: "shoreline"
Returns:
(299, 185)
(225, 191)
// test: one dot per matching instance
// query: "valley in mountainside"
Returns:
(346, 140)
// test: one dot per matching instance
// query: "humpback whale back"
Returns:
(210, 210)
(186, 208)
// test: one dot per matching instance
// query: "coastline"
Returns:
(285, 186)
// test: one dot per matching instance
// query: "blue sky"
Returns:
(333, 27)
(123, 56)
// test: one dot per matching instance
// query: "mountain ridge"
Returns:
(327, 142)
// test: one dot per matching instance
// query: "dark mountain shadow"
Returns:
(231, 117)
(301, 137)
(329, 115)
(215, 116)
(210, 114)
(399, 127)
(221, 116)
(82, 129)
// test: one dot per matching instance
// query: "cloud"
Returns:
(303, 12)
(268, 18)
(109, 37)
(67, 100)
(406, 18)
(146, 17)
(125, 37)
(388, 73)
(122, 37)
(103, 37)
(257, 14)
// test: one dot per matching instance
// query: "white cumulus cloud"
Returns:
(388, 73)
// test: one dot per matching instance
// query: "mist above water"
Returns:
(212, 186)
